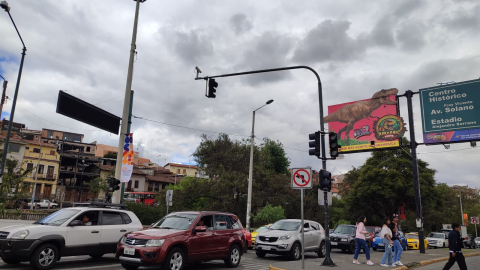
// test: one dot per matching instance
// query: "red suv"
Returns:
(182, 237)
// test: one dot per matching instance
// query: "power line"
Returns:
(108, 100)
(448, 151)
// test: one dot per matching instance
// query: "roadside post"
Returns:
(168, 198)
(302, 179)
(474, 220)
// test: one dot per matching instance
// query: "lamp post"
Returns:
(250, 171)
(4, 92)
(5, 6)
(159, 160)
(461, 207)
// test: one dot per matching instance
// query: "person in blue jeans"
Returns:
(397, 253)
(360, 241)
(386, 235)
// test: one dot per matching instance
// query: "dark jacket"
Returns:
(454, 241)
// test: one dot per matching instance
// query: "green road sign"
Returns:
(451, 107)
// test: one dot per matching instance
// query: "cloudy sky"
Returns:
(357, 47)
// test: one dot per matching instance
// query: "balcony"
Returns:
(46, 176)
(34, 155)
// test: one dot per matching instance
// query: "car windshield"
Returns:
(436, 235)
(263, 228)
(285, 225)
(370, 229)
(57, 218)
(176, 221)
(412, 236)
(344, 230)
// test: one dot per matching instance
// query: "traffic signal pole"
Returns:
(122, 188)
(328, 261)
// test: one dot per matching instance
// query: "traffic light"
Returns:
(325, 180)
(315, 144)
(212, 84)
(115, 184)
(333, 142)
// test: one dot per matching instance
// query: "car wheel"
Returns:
(351, 248)
(374, 249)
(260, 254)
(322, 251)
(96, 256)
(44, 257)
(129, 266)
(295, 252)
(234, 257)
(444, 245)
(174, 260)
(53, 207)
(10, 261)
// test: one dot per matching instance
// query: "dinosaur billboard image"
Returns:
(367, 124)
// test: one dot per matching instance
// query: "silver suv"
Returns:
(284, 237)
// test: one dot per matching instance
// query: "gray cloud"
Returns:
(411, 35)
(329, 41)
(405, 8)
(240, 24)
(463, 19)
(382, 32)
(192, 46)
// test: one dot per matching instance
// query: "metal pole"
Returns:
(476, 235)
(4, 92)
(122, 188)
(36, 174)
(461, 207)
(126, 103)
(250, 175)
(303, 230)
(413, 149)
(167, 207)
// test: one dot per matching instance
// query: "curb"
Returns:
(422, 263)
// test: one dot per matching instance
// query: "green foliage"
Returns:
(96, 185)
(147, 214)
(110, 155)
(269, 214)
(341, 222)
(276, 158)
(13, 188)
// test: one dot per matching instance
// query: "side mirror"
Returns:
(201, 229)
(76, 223)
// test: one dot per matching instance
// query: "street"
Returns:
(472, 263)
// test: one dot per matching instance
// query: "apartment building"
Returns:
(181, 169)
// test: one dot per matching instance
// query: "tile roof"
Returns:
(164, 179)
(107, 167)
(181, 165)
(138, 171)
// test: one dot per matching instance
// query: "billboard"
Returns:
(368, 124)
(451, 113)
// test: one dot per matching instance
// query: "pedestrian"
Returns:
(397, 246)
(386, 235)
(360, 241)
(455, 249)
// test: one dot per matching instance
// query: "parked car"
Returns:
(343, 237)
(64, 233)
(44, 204)
(437, 240)
(469, 242)
(372, 231)
(184, 237)
(254, 234)
(413, 242)
(477, 241)
(378, 242)
(284, 237)
(248, 240)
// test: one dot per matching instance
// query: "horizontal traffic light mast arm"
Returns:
(261, 71)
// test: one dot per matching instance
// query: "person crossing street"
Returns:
(455, 249)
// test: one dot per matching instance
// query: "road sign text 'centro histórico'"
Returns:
(451, 112)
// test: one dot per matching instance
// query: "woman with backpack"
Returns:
(360, 241)
(386, 235)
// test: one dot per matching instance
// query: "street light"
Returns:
(4, 5)
(158, 165)
(250, 172)
(4, 92)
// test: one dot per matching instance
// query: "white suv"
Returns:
(94, 230)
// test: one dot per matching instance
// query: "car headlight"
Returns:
(285, 237)
(20, 234)
(122, 240)
(344, 240)
(154, 242)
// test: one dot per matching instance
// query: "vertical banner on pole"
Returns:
(127, 160)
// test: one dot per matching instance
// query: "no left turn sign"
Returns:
(474, 220)
(302, 178)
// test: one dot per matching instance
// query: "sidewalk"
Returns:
(343, 261)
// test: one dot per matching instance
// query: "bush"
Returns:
(269, 214)
(147, 214)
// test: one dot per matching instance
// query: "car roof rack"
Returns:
(101, 205)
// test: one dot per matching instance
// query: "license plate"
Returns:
(380, 244)
(333, 243)
(266, 248)
(129, 251)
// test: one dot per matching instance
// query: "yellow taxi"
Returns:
(254, 234)
(412, 241)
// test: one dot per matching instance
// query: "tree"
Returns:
(96, 185)
(276, 158)
(269, 214)
(110, 155)
(13, 186)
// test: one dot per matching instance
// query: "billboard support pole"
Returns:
(122, 188)
(413, 148)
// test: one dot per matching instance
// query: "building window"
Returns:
(30, 167)
(26, 147)
(88, 148)
(157, 186)
(41, 168)
(36, 150)
(184, 171)
(12, 147)
(52, 152)
(50, 134)
(178, 171)
(136, 183)
(72, 137)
